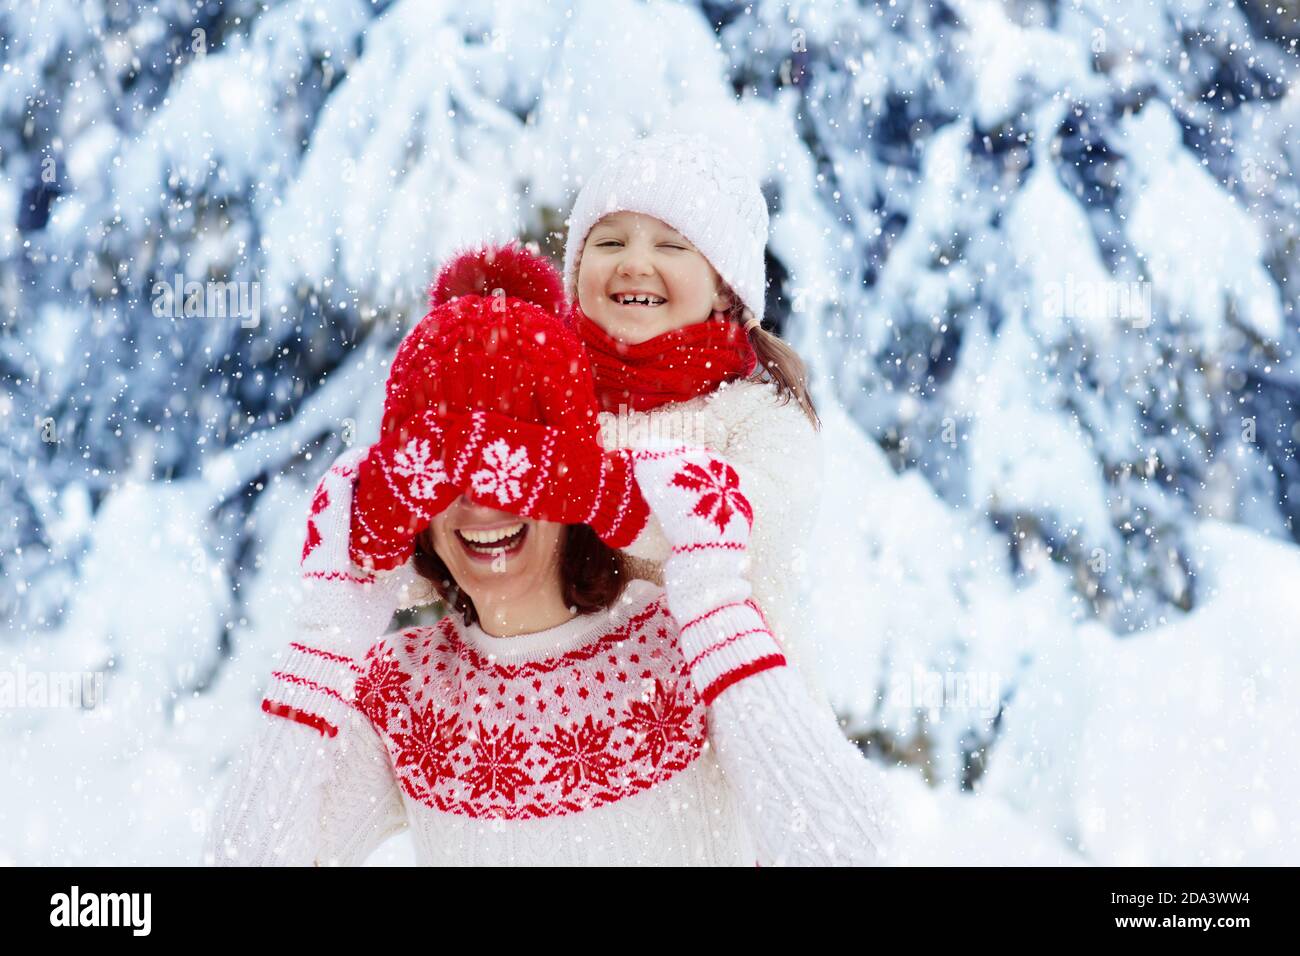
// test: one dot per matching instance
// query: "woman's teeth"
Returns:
(496, 539)
(639, 300)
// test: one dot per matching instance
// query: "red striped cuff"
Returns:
(312, 686)
(727, 644)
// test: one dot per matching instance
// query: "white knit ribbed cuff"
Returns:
(313, 686)
(725, 645)
(698, 581)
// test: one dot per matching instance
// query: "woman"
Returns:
(559, 713)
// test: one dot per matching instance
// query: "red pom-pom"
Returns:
(519, 273)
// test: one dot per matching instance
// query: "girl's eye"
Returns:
(671, 245)
(607, 242)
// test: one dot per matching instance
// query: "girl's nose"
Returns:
(634, 262)
(635, 267)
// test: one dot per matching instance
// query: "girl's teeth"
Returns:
(639, 300)
(491, 537)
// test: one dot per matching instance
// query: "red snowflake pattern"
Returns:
(612, 744)
(319, 503)
(719, 491)
(497, 755)
(380, 688)
(430, 743)
(581, 754)
(660, 722)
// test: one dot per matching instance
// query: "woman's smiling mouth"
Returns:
(490, 544)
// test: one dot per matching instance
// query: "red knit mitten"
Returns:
(540, 472)
(706, 517)
(350, 604)
(546, 473)
(402, 485)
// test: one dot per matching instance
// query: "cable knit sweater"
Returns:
(583, 744)
(777, 453)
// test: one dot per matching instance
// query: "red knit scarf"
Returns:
(672, 367)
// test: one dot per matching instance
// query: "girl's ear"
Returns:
(722, 297)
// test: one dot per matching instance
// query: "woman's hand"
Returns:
(348, 605)
(401, 485)
(537, 471)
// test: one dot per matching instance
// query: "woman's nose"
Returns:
(474, 511)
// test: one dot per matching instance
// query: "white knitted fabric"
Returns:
(546, 772)
(335, 597)
(693, 185)
(588, 743)
(778, 455)
(702, 508)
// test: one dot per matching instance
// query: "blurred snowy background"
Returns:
(1041, 257)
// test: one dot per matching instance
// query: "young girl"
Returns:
(664, 267)
(560, 713)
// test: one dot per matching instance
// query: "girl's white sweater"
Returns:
(582, 744)
(777, 453)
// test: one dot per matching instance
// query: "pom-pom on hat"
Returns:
(493, 340)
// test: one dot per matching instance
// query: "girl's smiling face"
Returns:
(639, 278)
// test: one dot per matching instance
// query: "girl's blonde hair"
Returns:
(777, 362)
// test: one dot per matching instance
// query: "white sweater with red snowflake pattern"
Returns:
(585, 744)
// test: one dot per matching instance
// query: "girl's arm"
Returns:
(315, 785)
(808, 794)
(810, 797)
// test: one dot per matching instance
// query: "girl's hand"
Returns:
(696, 496)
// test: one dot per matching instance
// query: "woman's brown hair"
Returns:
(592, 574)
(778, 361)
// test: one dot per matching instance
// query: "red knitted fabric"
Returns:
(546, 473)
(671, 367)
(491, 395)
(493, 340)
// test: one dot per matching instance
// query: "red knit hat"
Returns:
(491, 394)
(493, 340)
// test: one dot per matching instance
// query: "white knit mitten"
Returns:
(350, 605)
(341, 609)
(697, 499)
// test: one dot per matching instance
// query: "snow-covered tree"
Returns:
(1040, 256)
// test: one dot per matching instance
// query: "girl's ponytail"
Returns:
(779, 361)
